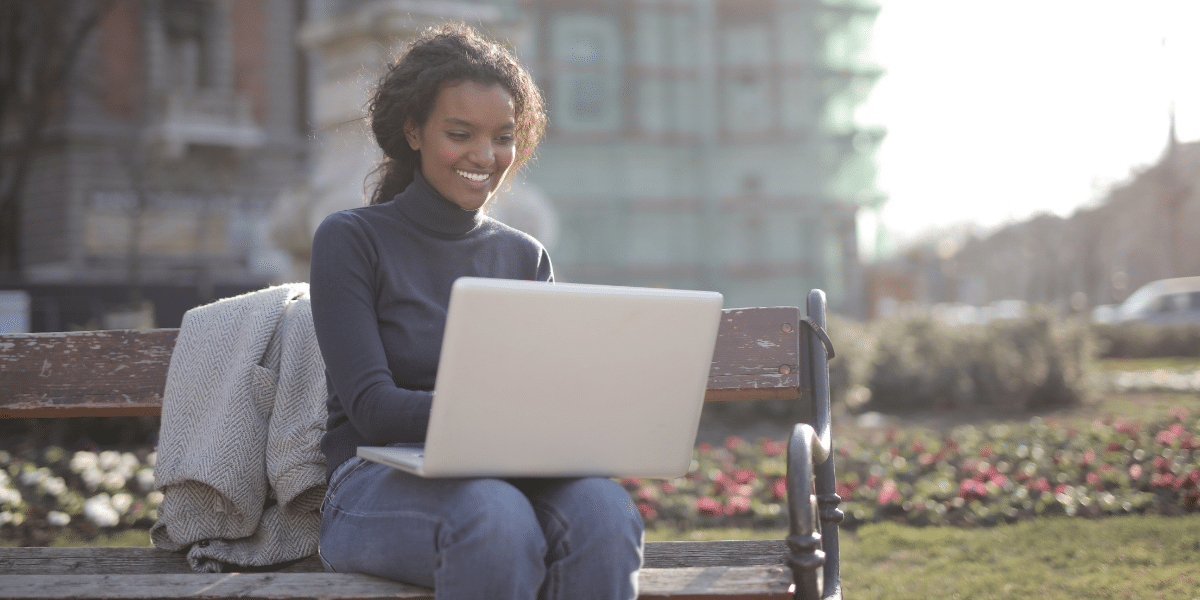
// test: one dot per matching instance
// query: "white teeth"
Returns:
(478, 177)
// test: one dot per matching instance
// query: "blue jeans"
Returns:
(483, 538)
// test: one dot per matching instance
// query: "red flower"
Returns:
(1093, 480)
(779, 488)
(1113, 447)
(744, 476)
(1061, 489)
(734, 442)
(667, 487)
(888, 493)
(647, 511)
(631, 482)
(871, 483)
(999, 479)
(844, 490)
(709, 506)
(986, 451)
(773, 448)
(1042, 485)
(918, 446)
(722, 483)
(1160, 463)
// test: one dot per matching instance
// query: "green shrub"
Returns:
(1138, 340)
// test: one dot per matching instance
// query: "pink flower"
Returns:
(1178, 413)
(647, 510)
(918, 446)
(1061, 488)
(667, 487)
(926, 459)
(986, 451)
(648, 493)
(971, 489)
(722, 483)
(1160, 463)
(888, 493)
(779, 488)
(844, 490)
(709, 506)
(1089, 455)
(734, 442)
(1093, 480)
(704, 449)
(1135, 471)
(744, 476)
(631, 482)
(1043, 485)
(737, 505)
(773, 448)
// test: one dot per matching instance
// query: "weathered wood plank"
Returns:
(297, 586)
(87, 373)
(679, 584)
(757, 355)
(147, 560)
(123, 372)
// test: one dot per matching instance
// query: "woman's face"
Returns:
(467, 143)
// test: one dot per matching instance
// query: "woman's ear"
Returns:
(412, 134)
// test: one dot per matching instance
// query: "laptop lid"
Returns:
(562, 379)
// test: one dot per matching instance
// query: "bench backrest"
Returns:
(123, 372)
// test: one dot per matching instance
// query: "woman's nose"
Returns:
(483, 154)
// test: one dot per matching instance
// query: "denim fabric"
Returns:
(483, 538)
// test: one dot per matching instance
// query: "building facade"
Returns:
(179, 124)
(707, 143)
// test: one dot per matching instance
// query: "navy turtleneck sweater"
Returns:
(380, 286)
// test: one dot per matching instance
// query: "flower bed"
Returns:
(968, 477)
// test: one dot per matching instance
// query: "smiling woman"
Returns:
(454, 116)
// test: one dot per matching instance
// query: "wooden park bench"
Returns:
(761, 353)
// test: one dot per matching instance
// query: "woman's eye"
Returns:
(505, 139)
(457, 135)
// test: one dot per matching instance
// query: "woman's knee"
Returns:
(491, 513)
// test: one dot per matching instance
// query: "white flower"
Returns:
(83, 461)
(91, 477)
(32, 478)
(10, 496)
(121, 502)
(54, 486)
(99, 510)
(113, 481)
(152, 459)
(154, 498)
(5, 517)
(145, 479)
(58, 519)
(4, 478)
(109, 460)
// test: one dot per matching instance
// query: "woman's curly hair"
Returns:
(443, 55)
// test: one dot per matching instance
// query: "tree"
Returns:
(40, 41)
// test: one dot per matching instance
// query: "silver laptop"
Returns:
(543, 379)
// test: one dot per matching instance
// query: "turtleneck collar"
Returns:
(426, 207)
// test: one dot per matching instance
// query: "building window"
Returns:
(586, 89)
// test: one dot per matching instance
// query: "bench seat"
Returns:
(761, 353)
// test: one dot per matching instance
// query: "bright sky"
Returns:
(999, 110)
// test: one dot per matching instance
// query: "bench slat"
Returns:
(123, 372)
(86, 373)
(152, 561)
(679, 584)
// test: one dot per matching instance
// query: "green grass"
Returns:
(1136, 557)
(1051, 559)
(135, 537)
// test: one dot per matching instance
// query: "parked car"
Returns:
(1163, 302)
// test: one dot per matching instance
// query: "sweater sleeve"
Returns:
(343, 294)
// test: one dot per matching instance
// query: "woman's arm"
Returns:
(343, 283)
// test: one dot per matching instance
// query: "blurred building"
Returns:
(707, 144)
(178, 126)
